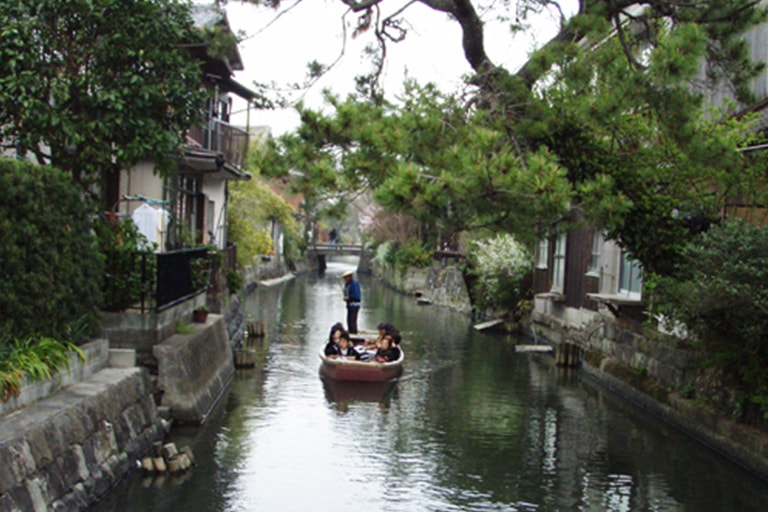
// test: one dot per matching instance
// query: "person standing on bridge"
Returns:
(352, 297)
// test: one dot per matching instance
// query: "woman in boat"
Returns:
(388, 351)
(332, 346)
(383, 328)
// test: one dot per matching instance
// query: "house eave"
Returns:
(210, 164)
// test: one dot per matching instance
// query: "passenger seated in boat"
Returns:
(396, 337)
(383, 328)
(388, 351)
(346, 349)
(332, 347)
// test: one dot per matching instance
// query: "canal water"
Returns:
(470, 426)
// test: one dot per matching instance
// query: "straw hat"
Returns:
(347, 273)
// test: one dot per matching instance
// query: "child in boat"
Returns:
(346, 350)
(388, 351)
(332, 347)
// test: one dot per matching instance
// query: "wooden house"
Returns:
(192, 202)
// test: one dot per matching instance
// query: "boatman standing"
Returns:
(352, 298)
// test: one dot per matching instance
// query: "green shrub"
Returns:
(719, 293)
(234, 281)
(52, 269)
(33, 358)
(501, 270)
(413, 254)
(128, 270)
(385, 253)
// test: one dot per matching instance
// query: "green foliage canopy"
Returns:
(253, 205)
(611, 115)
(428, 157)
(652, 164)
(91, 86)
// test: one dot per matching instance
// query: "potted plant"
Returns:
(200, 314)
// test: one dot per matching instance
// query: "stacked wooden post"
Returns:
(245, 357)
(256, 329)
(569, 354)
(167, 459)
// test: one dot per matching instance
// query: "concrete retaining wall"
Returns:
(64, 452)
(194, 370)
(142, 332)
(264, 267)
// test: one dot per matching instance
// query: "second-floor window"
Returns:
(542, 253)
(558, 264)
(630, 277)
(594, 258)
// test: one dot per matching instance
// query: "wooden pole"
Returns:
(568, 354)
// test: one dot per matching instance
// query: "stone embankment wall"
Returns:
(658, 373)
(194, 369)
(440, 284)
(65, 451)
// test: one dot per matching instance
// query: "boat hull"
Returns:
(360, 371)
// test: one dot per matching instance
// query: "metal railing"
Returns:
(228, 140)
(147, 281)
(181, 275)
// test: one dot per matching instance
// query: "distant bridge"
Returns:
(328, 249)
(320, 252)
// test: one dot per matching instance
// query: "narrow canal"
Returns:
(470, 426)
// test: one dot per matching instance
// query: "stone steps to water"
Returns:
(496, 322)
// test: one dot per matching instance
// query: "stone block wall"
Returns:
(445, 286)
(651, 370)
(668, 361)
(64, 452)
(235, 322)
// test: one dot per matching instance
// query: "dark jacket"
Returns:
(391, 354)
(352, 292)
(331, 349)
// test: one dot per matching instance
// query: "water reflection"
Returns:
(341, 394)
(470, 426)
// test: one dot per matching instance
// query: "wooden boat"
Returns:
(360, 371)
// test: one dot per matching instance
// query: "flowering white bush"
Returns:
(503, 269)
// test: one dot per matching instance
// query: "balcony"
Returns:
(223, 138)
